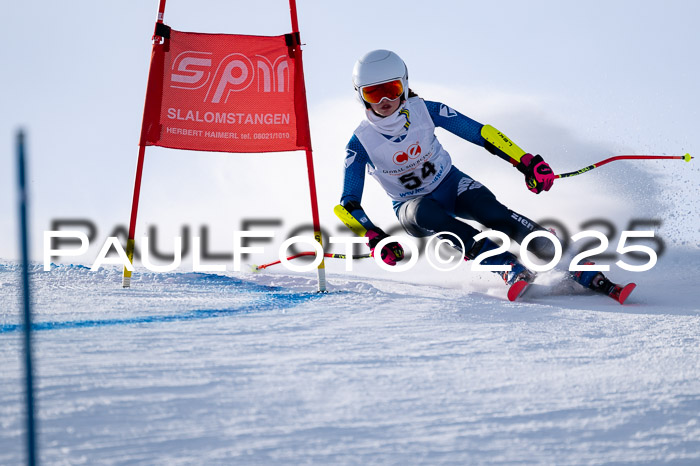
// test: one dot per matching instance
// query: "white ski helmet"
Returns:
(379, 66)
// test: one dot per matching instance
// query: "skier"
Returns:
(397, 146)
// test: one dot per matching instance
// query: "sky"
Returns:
(576, 82)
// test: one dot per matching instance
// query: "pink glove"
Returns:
(538, 174)
(391, 252)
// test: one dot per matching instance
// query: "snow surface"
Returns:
(418, 367)
(412, 368)
(195, 368)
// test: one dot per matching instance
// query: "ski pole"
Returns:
(685, 157)
(257, 268)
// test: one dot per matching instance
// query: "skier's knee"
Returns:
(417, 216)
(542, 248)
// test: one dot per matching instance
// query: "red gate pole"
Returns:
(130, 243)
(309, 151)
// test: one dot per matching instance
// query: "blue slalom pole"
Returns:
(24, 246)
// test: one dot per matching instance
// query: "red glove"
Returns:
(538, 174)
(391, 252)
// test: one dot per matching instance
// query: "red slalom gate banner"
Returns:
(226, 93)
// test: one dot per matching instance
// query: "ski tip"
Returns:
(516, 289)
(626, 291)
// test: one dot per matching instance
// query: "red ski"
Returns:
(517, 289)
(619, 293)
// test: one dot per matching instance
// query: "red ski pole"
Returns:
(685, 157)
(257, 268)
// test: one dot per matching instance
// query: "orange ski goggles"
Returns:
(375, 93)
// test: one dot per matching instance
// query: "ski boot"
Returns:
(517, 278)
(599, 283)
(517, 273)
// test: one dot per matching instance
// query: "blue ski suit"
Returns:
(449, 195)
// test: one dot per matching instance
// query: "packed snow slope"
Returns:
(408, 368)
(419, 367)
(195, 368)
